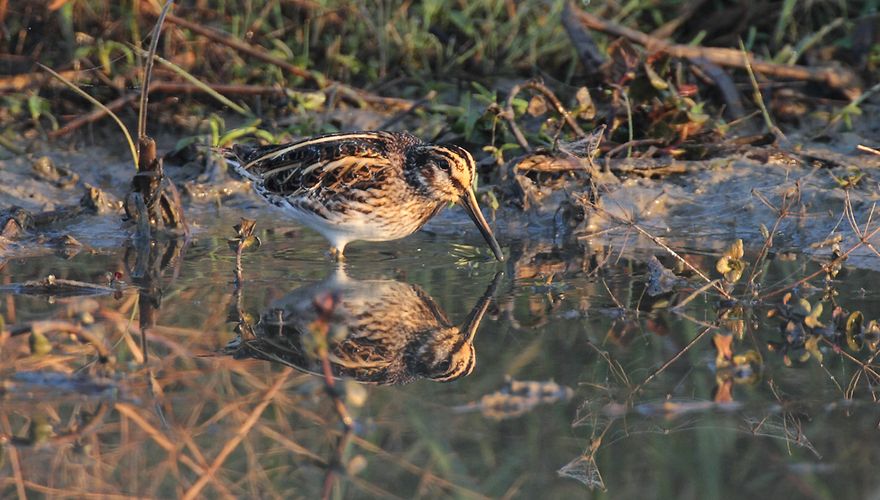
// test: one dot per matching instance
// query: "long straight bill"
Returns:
(469, 202)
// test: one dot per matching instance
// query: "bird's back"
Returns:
(328, 164)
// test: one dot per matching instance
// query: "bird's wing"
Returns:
(327, 163)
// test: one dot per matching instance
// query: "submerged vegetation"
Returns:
(686, 190)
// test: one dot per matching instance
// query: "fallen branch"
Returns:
(841, 79)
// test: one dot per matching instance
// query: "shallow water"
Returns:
(632, 402)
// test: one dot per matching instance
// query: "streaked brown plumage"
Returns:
(386, 332)
(374, 186)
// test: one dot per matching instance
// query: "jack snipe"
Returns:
(373, 186)
(381, 332)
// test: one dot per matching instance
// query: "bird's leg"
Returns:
(337, 254)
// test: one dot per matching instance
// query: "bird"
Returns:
(379, 331)
(372, 186)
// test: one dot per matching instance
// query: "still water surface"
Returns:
(205, 414)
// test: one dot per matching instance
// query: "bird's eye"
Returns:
(443, 164)
(444, 365)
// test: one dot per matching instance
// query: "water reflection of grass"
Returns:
(263, 430)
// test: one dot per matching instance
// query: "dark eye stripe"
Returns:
(461, 155)
(446, 154)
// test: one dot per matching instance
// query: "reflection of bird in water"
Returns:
(380, 331)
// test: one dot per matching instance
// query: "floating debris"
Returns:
(518, 397)
(58, 287)
(583, 469)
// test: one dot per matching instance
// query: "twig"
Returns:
(840, 259)
(58, 286)
(669, 250)
(510, 117)
(336, 462)
(759, 99)
(630, 144)
(203, 86)
(849, 108)
(588, 53)
(557, 105)
(866, 149)
(694, 295)
(673, 359)
(686, 12)
(864, 366)
(768, 242)
(330, 384)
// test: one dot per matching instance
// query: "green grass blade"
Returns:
(200, 84)
(65, 81)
